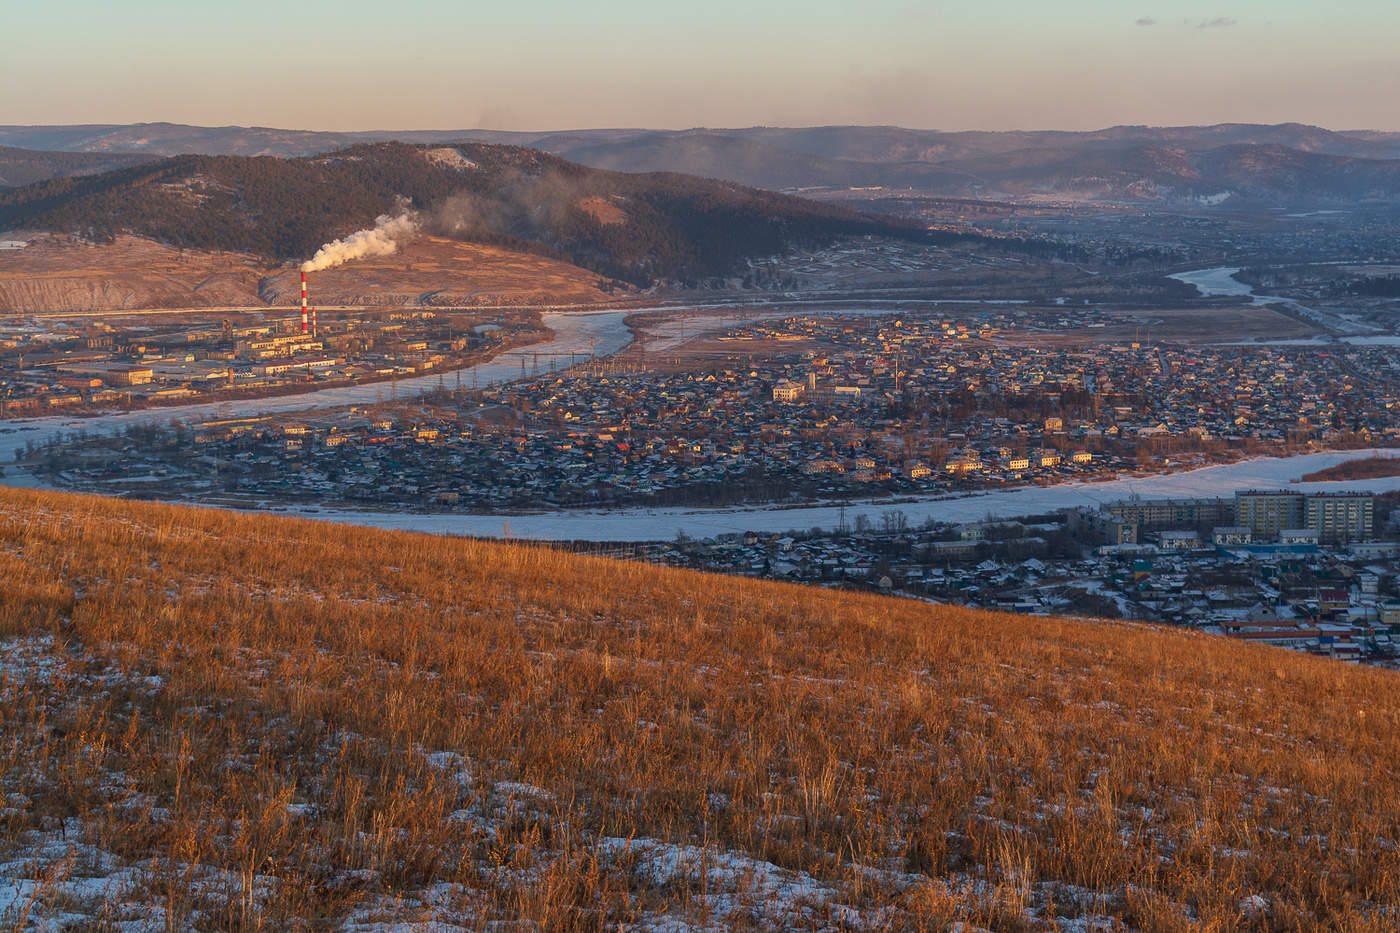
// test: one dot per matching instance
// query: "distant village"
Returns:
(51, 366)
(875, 406)
(867, 408)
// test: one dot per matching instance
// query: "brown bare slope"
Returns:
(259, 720)
(439, 271)
(61, 273)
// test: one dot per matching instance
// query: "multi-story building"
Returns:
(1102, 527)
(1339, 516)
(1268, 513)
(1152, 514)
(1179, 540)
(787, 392)
(1332, 516)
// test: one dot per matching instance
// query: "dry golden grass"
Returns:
(1361, 468)
(272, 723)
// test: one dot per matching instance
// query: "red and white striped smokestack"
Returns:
(303, 301)
(315, 328)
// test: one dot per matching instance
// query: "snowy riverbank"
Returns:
(663, 524)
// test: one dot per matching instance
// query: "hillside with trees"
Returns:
(635, 228)
(26, 166)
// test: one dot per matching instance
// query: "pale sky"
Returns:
(553, 64)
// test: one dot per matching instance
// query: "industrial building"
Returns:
(114, 374)
(268, 348)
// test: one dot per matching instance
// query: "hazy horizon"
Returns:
(711, 128)
(1010, 65)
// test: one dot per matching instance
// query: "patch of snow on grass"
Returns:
(29, 659)
(735, 887)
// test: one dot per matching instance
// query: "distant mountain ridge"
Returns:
(1288, 164)
(884, 144)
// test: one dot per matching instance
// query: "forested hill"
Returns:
(26, 166)
(637, 228)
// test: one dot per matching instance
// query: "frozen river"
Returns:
(1340, 326)
(663, 524)
(1213, 283)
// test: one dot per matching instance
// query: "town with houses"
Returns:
(863, 409)
(845, 407)
(1315, 573)
(48, 366)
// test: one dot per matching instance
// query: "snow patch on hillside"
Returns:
(449, 158)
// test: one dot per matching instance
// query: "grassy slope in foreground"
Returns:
(228, 720)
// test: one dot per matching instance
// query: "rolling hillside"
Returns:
(1148, 167)
(762, 164)
(634, 228)
(1286, 164)
(229, 721)
(26, 166)
(1240, 173)
(886, 144)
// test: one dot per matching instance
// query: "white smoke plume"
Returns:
(382, 240)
